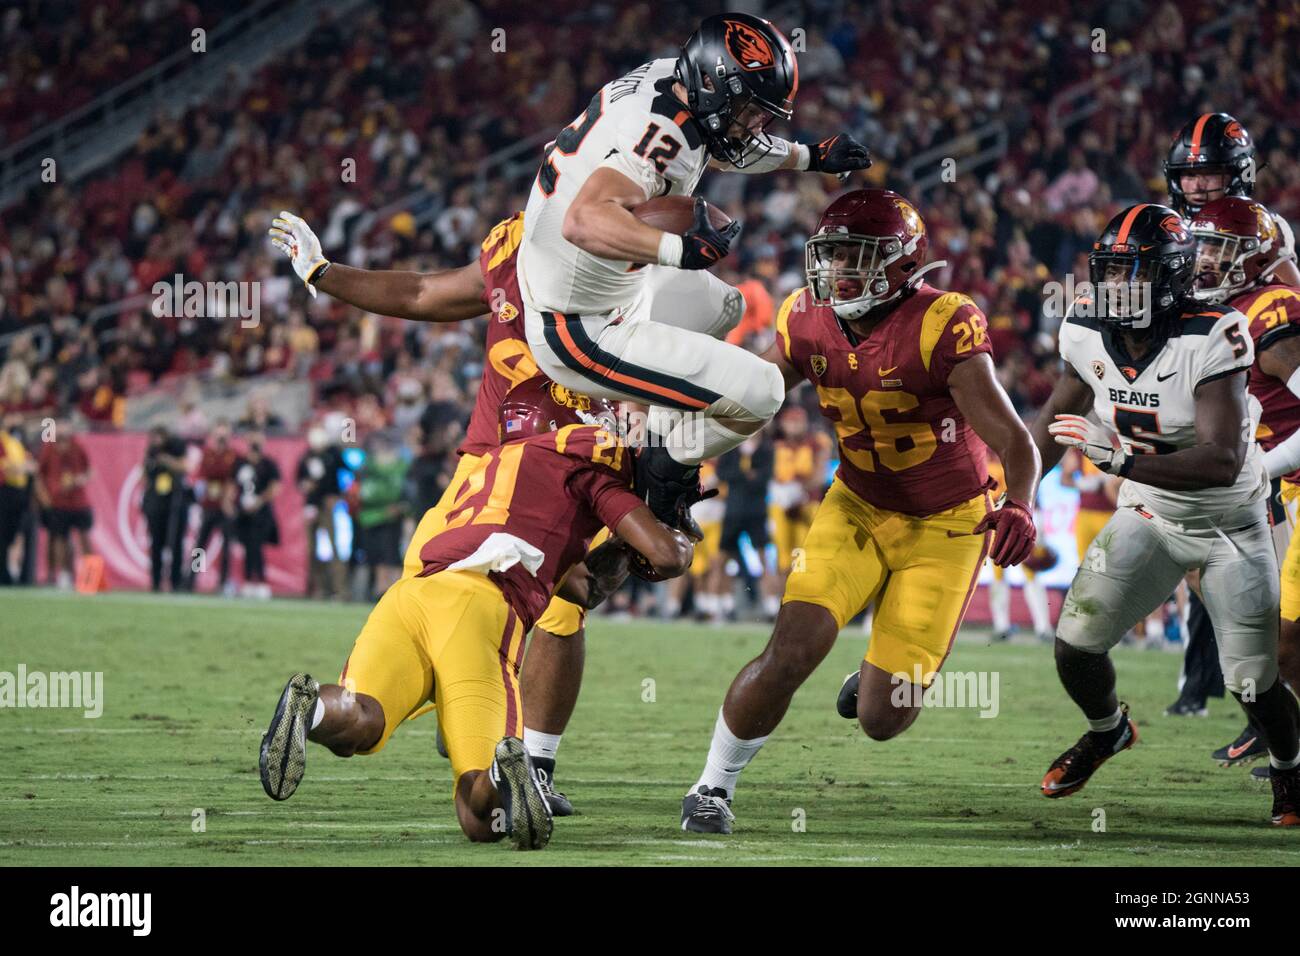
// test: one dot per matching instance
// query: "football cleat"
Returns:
(1286, 797)
(1248, 746)
(1262, 773)
(846, 704)
(707, 811)
(1070, 771)
(528, 815)
(283, 756)
(560, 806)
(1187, 707)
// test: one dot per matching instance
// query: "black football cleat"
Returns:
(707, 811)
(1248, 746)
(1070, 771)
(665, 482)
(846, 704)
(283, 756)
(544, 767)
(1286, 797)
(1263, 773)
(528, 815)
(1188, 707)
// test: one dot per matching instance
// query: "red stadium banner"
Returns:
(121, 535)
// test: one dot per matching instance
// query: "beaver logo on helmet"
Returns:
(747, 46)
(1174, 227)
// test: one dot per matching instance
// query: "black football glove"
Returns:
(702, 245)
(840, 154)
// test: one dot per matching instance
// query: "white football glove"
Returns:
(1100, 444)
(295, 239)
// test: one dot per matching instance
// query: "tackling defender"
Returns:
(588, 266)
(454, 633)
(1168, 376)
(904, 371)
(552, 670)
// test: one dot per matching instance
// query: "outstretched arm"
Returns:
(1071, 396)
(450, 296)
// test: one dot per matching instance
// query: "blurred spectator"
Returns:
(63, 471)
(215, 488)
(16, 470)
(257, 480)
(746, 471)
(382, 507)
(165, 505)
(318, 481)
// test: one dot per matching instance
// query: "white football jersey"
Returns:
(1151, 403)
(636, 126)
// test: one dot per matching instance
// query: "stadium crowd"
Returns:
(377, 132)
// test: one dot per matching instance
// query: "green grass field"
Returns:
(190, 683)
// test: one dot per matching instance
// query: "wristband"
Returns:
(803, 156)
(318, 272)
(670, 250)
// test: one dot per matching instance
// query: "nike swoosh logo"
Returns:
(882, 372)
(1161, 378)
(1235, 752)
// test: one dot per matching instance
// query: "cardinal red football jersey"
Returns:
(554, 491)
(1273, 313)
(508, 360)
(903, 443)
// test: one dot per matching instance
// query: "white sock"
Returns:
(1284, 764)
(1106, 723)
(541, 745)
(318, 714)
(1036, 598)
(728, 755)
(1155, 626)
(1000, 604)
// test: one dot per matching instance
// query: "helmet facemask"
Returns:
(1131, 289)
(1220, 271)
(850, 272)
(736, 131)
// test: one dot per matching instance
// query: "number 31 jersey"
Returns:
(635, 126)
(1151, 403)
(903, 443)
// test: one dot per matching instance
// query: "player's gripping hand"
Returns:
(1013, 530)
(840, 154)
(295, 239)
(1100, 444)
(702, 244)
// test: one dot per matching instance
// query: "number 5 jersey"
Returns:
(1151, 402)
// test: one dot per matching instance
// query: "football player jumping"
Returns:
(905, 373)
(454, 633)
(587, 266)
(1240, 255)
(1167, 377)
(552, 670)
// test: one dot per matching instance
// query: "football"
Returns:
(676, 213)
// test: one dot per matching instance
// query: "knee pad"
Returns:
(1254, 673)
(763, 395)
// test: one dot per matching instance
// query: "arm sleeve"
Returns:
(767, 163)
(1228, 349)
(608, 496)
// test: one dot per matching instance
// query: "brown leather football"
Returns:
(676, 213)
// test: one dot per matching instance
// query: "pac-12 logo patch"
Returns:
(1099, 369)
(818, 363)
